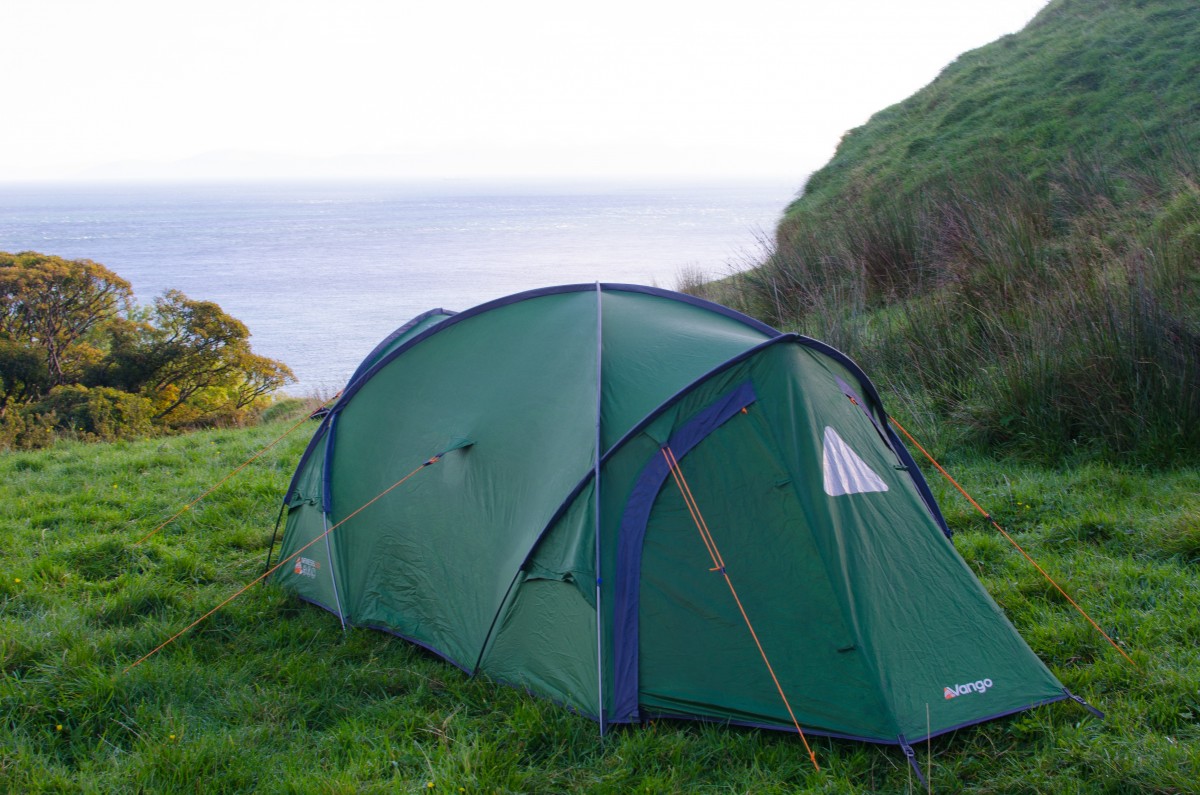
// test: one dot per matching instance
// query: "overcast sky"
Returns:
(540, 88)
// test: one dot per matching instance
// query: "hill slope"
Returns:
(1114, 81)
(1015, 249)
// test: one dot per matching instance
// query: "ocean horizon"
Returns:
(320, 272)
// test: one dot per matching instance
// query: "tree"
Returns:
(186, 351)
(52, 304)
(23, 374)
(74, 346)
(260, 377)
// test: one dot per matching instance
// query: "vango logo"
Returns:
(978, 686)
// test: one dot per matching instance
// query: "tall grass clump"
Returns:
(1051, 319)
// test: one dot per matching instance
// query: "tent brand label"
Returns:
(307, 567)
(978, 686)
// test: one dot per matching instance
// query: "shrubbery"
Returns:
(78, 357)
(100, 413)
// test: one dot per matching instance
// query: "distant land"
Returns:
(683, 163)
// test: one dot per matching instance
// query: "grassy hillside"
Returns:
(270, 695)
(1014, 251)
(1111, 83)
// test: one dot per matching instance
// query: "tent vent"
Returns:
(845, 472)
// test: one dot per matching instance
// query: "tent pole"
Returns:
(275, 532)
(332, 579)
(596, 516)
(326, 507)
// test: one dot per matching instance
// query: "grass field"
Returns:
(271, 695)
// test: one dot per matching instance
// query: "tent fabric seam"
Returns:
(400, 332)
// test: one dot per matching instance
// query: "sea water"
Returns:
(320, 273)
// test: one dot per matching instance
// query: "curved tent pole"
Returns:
(596, 511)
(395, 335)
(467, 314)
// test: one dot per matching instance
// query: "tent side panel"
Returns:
(311, 573)
(922, 619)
(546, 643)
(654, 347)
(434, 559)
(545, 637)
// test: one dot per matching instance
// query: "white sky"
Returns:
(429, 88)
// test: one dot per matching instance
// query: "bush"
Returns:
(99, 413)
(22, 429)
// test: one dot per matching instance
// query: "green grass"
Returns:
(271, 695)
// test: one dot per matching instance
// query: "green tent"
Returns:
(641, 504)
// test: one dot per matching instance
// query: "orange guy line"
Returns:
(711, 544)
(221, 482)
(286, 560)
(1012, 541)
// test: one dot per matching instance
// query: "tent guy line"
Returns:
(236, 470)
(1013, 541)
(280, 564)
